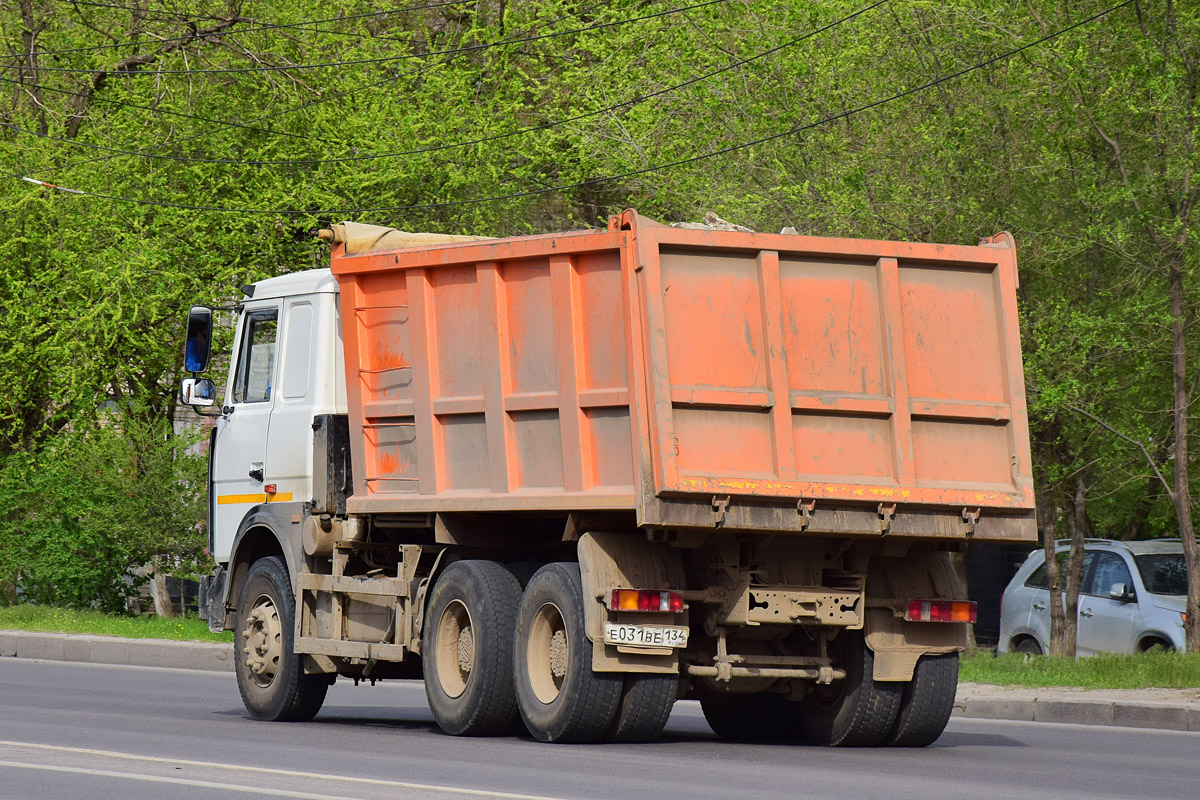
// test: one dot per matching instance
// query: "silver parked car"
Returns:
(1132, 598)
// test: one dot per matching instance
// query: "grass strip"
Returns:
(1154, 670)
(49, 619)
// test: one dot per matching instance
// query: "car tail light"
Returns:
(940, 611)
(645, 600)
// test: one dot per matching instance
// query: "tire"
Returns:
(560, 698)
(1028, 646)
(761, 717)
(856, 711)
(270, 675)
(926, 703)
(467, 649)
(646, 702)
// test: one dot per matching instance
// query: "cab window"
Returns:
(256, 361)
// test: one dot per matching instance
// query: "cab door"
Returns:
(240, 442)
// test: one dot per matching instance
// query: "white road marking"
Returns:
(259, 770)
(133, 776)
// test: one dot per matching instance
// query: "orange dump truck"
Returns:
(573, 477)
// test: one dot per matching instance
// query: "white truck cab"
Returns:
(285, 376)
(287, 368)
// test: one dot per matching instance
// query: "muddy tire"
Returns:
(646, 703)
(856, 711)
(270, 675)
(560, 698)
(762, 717)
(467, 649)
(926, 702)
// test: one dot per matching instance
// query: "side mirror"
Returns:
(199, 339)
(1120, 591)
(198, 392)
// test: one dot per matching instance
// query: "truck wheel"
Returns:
(761, 717)
(270, 675)
(926, 702)
(467, 649)
(856, 711)
(646, 702)
(560, 698)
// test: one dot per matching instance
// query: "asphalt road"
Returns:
(97, 731)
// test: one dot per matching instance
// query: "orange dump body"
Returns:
(701, 378)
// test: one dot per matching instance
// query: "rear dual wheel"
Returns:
(927, 702)
(559, 696)
(857, 711)
(467, 649)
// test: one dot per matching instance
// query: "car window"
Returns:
(1038, 579)
(1162, 573)
(1110, 568)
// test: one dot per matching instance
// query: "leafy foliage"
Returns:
(1084, 146)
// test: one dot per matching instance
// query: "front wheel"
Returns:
(270, 675)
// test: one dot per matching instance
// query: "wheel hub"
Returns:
(558, 654)
(263, 637)
(466, 651)
(455, 649)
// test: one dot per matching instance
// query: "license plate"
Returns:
(646, 635)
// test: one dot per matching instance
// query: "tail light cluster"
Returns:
(941, 611)
(645, 600)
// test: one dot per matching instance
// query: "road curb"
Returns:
(209, 656)
(1081, 711)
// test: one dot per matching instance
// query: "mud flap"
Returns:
(627, 561)
(898, 644)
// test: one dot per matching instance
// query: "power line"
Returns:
(609, 178)
(265, 27)
(456, 145)
(94, 98)
(378, 59)
(302, 106)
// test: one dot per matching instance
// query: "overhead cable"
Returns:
(608, 178)
(361, 61)
(455, 145)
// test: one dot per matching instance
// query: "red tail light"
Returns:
(645, 600)
(941, 611)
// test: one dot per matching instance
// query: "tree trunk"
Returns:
(158, 590)
(1183, 494)
(1049, 513)
(1078, 524)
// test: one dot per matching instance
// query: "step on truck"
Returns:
(567, 479)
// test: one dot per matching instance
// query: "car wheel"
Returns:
(1028, 646)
